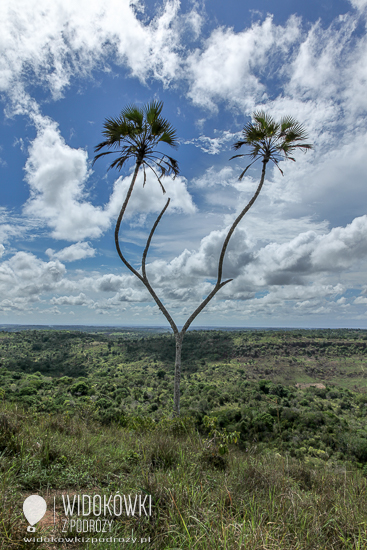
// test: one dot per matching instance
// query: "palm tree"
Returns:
(135, 134)
(141, 131)
(269, 141)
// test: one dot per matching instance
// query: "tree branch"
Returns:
(160, 305)
(220, 284)
(203, 304)
(237, 221)
(118, 223)
(145, 280)
(150, 238)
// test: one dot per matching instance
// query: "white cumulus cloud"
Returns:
(77, 251)
(227, 68)
(57, 175)
(24, 275)
(54, 42)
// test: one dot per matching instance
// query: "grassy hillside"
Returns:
(90, 412)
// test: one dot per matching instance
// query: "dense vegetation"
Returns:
(91, 410)
(245, 379)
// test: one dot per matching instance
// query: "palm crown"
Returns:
(270, 140)
(136, 134)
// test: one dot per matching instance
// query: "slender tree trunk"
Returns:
(122, 212)
(176, 407)
(179, 336)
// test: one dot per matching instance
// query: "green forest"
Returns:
(270, 450)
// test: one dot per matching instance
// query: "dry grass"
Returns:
(257, 502)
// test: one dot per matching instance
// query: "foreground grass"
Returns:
(245, 500)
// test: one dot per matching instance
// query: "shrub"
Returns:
(264, 386)
(80, 387)
(178, 425)
(291, 415)
(263, 422)
(64, 380)
(28, 390)
(358, 446)
(312, 419)
(321, 392)
(361, 399)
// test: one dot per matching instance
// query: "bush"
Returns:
(214, 460)
(321, 392)
(358, 446)
(264, 386)
(361, 399)
(80, 387)
(312, 419)
(280, 391)
(64, 380)
(290, 415)
(103, 403)
(28, 390)
(111, 416)
(177, 426)
(263, 422)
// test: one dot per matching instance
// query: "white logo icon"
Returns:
(34, 508)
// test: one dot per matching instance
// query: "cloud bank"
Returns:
(303, 248)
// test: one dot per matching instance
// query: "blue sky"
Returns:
(298, 258)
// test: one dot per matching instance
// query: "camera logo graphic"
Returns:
(34, 508)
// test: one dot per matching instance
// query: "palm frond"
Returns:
(265, 123)
(119, 162)
(158, 177)
(238, 144)
(133, 114)
(245, 170)
(277, 165)
(173, 166)
(100, 146)
(287, 122)
(256, 147)
(169, 136)
(152, 111)
(101, 154)
(135, 133)
(270, 140)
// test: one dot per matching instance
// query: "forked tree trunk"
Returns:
(179, 338)
(179, 335)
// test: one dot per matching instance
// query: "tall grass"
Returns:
(248, 501)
